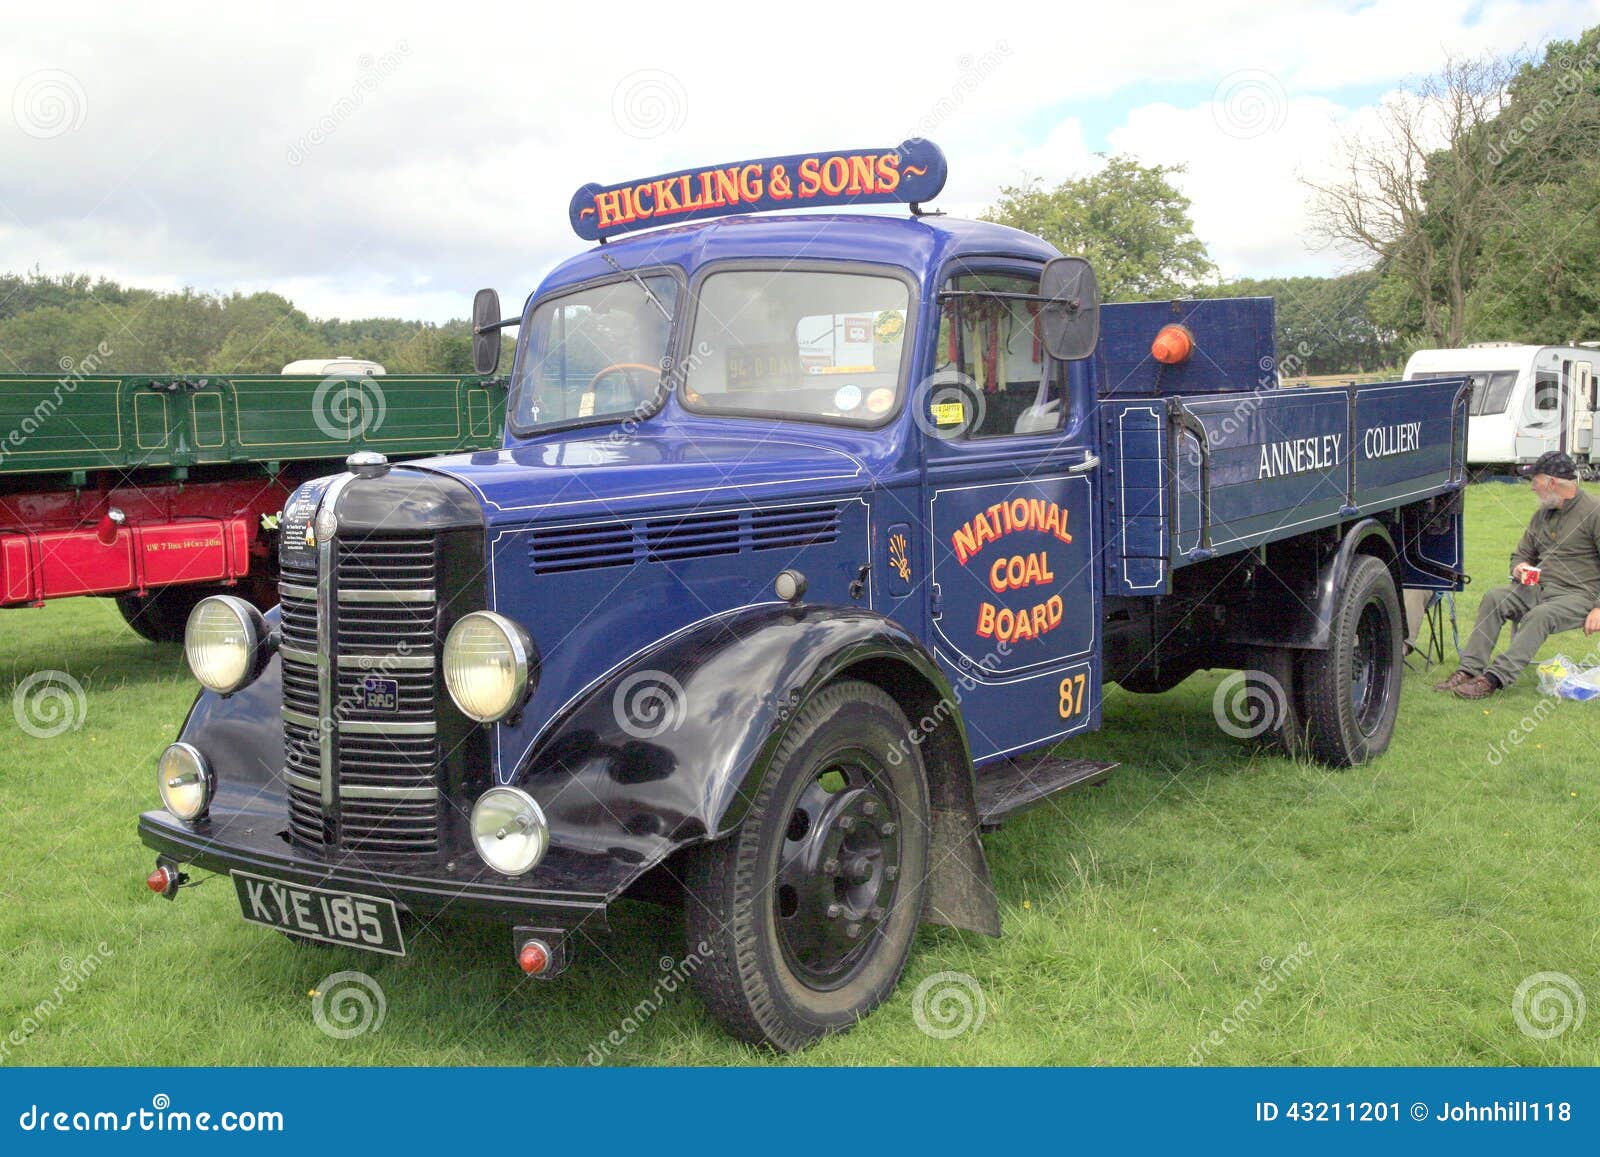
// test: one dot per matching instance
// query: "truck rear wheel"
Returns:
(161, 615)
(804, 918)
(1352, 690)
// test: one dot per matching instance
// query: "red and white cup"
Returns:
(1529, 576)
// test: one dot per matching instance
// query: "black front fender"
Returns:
(670, 749)
(241, 735)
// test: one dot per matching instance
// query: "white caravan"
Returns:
(1526, 399)
(341, 366)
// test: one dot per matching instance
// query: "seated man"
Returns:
(1555, 585)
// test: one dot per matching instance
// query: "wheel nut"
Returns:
(830, 867)
(875, 914)
(887, 829)
(846, 823)
(891, 872)
(853, 931)
(833, 911)
(869, 808)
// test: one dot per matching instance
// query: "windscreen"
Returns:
(594, 353)
(802, 344)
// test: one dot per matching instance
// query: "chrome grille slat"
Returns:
(384, 619)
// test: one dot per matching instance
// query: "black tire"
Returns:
(1352, 690)
(770, 910)
(1273, 678)
(161, 615)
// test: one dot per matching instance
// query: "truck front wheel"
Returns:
(1352, 690)
(801, 921)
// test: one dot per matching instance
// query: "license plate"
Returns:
(369, 922)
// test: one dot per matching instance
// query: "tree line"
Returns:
(45, 319)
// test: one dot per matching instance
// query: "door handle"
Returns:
(1086, 465)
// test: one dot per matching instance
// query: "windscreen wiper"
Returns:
(640, 282)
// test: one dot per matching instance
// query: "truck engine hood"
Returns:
(608, 472)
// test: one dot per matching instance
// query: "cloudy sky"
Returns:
(382, 158)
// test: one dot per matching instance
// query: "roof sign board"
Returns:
(911, 172)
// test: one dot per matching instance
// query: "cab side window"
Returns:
(993, 379)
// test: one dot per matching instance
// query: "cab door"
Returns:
(1010, 495)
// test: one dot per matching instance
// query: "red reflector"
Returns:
(1173, 345)
(159, 880)
(534, 958)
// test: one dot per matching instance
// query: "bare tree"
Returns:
(1420, 191)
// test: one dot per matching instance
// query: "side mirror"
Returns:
(485, 331)
(1070, 318)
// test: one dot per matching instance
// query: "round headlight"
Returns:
(509, 830)
(486, 660)
(185, 782)
(223, 642)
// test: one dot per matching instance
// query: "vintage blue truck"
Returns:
(810, 546)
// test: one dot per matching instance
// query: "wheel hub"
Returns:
(837, 879)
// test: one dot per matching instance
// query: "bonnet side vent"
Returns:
(794, 526)
(570, 548)
(698, 536)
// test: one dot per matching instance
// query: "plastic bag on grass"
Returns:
(1562, 677)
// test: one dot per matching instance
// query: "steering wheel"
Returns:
(628, 369)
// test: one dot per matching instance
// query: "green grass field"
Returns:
(1384, 915)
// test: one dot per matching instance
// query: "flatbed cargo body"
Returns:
(1192, 477)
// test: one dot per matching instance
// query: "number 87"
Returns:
(1071, 691)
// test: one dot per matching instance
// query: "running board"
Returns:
(1008, 787)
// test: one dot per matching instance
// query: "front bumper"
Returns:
(566, 889)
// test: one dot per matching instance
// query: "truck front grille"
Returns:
(373, 786)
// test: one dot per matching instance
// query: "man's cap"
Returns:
(1554, 463)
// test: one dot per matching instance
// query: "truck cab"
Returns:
(811, 540)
